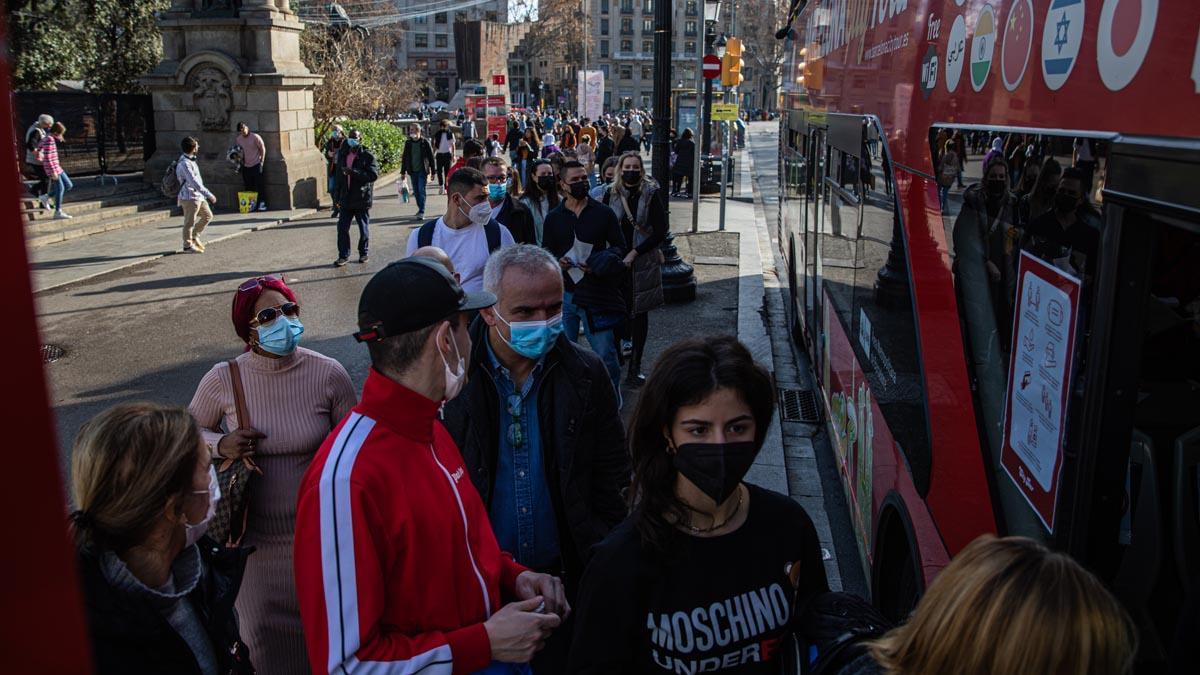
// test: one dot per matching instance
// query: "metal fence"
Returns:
(106, 133)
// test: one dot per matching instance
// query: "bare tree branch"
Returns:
(362, 79)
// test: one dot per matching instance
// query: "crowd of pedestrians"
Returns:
(480, 506)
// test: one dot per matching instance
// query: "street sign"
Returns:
(712, 66)
(498, 80)
(724, 112)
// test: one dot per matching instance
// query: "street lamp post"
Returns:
(712, 13)
(679, 281)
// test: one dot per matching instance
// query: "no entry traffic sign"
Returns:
(712, 66)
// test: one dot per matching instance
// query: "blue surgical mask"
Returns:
(532, 339)
(497, 191)
(281, 336)
(352, 142)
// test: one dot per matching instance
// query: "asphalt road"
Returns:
(151, 332)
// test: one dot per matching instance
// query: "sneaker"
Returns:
(188, 248)
(198, 245)
(340, 262)
(363, 258)
(420, 214)
(62, 215)
(262, 206)
(626, 348)
(44, 200)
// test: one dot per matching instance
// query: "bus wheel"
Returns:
(897, 586)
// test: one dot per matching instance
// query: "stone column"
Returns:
(223, 64)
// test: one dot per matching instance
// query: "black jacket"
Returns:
(604, 150)
(130, 637)
(628, 144)
(518, 220)
(685, 157)
(359, 193)
(583, 442)
(425, 154)
(332, 146)
(600, 288)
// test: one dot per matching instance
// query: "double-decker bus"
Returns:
(1024, 361)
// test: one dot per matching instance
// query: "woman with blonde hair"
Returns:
(1009, 605)
(158, 594)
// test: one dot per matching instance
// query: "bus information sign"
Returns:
(1039, 375)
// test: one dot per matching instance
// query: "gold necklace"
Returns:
(716, 526)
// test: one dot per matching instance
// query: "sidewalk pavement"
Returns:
(56, 265)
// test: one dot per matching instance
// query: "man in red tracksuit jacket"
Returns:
(397, 569)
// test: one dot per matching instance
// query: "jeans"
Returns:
(943, 195)
(418, 190)
(58, 188)
(252, 179)
(604, 343)
(363, 218)
(332, 184)
(442, 161)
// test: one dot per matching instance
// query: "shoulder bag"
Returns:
(235, 477)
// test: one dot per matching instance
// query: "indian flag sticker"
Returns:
(983, 47)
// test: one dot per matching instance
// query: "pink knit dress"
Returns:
(296, 401)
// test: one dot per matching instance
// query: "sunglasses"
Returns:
(516, 430)
(269, 314)
(256, 283)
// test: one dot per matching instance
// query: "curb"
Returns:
(151, 257)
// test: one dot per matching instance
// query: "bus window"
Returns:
(1023, 192)
(885, 334)
(839, 253)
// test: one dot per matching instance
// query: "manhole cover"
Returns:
(52, 353)
(798, 405)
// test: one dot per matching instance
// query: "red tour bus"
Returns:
(1025, 360)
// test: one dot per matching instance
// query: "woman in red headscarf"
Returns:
(293, 398)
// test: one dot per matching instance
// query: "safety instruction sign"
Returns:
(1039, 376)
(724, 112)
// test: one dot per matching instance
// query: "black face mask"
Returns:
(716, 468)
(546, 183)
(1064, 204)
(579, 190)
(996, 187)
(631, 177)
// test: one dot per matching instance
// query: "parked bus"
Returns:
(1000, 365)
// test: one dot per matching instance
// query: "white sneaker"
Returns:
(62, 215)
(44, 200)
(262, 206)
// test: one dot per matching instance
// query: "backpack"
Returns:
(832, 630)
(492, 230)
(170, 181)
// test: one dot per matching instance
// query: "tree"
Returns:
(759, 19)
(362, 78)
(559, 28)
(43, 42)
(125, 44)
(107, 43)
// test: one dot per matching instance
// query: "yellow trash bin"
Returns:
(247, 202)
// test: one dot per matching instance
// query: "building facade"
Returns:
(621, 45)
(428, 44)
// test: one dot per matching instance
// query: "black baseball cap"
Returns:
(411, 294)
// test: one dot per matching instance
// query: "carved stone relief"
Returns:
(211, 96)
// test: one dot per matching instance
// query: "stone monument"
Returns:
(230, 61)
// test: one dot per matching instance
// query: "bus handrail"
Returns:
(846, 195)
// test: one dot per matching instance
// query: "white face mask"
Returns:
(193, 532)
(454, 381)
(479, 214)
